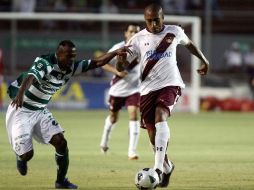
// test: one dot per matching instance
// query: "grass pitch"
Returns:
(210, 150)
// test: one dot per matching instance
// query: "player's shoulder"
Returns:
(136, 37)
(141, 33)
(117, 46)
(173, 28)
(48, 59)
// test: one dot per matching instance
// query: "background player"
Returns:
(161, 81)
(124, 91)
(27, 115)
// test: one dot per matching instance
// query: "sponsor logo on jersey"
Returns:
(152, 54)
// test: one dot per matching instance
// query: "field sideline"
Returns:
(210, 150)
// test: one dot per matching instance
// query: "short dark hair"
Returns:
(132, 24)
(153, 6)
(68, 43)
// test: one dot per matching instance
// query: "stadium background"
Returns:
(211, 150)
(223, 24)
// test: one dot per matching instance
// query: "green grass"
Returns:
(210, 150)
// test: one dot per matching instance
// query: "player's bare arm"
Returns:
(18, 100)
(122, 62)
(113, 70)
(197, 52)
(102, 60)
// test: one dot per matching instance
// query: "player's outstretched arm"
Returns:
(113, 70)
(18, 100)
(104, 59)
(197, 52)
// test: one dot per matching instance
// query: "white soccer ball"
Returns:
(146, 179)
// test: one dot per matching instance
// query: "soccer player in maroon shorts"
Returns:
(124, 91)
(161, 82)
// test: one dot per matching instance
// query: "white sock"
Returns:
(161, 140)
(134, 131)
(108, 126)
(167, 167)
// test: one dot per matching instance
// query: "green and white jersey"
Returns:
(50, 78)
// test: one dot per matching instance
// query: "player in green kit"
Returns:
(27, 115)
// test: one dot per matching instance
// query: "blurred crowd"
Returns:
(239, 58)
(104, 6)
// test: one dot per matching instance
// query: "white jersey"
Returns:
(157, 54)
(122, 87)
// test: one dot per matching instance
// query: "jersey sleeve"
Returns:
(39, 68)
(133, 43)
(113, 48)
(182, 37)
(114, 59)
(80, 67)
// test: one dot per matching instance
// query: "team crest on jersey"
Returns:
(59, 76)
(169, 39)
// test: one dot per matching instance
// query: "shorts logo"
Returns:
(54, 122)
(17, 147)
(22, 136)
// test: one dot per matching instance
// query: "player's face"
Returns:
(66, 57)
(131, 31)
(154, 21)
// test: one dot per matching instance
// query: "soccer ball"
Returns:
(146, 179)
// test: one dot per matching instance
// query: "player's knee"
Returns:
(133, 117)
(161, 114)
(62, 144)
(113, 118)
(59, 142)
(27, 156)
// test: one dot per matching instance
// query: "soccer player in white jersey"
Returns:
(124, 91)
(27, 115)
(161, 82)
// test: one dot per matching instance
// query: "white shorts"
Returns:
(24, 124)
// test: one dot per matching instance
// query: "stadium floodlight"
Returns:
(193, 21)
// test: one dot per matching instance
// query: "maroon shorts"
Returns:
(164, 97)
(116, 103)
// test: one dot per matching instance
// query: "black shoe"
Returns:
(65, 185)
(104, 149)
(166, 177)
(21, 166)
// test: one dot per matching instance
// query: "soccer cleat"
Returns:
(134, 157)
(21, 166)
(65, 185)
(104, 149)
(166, 177)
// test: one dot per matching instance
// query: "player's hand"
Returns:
(17, 101)
(122, 52)
(122, 58)
(122, 74)
(203, 69)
